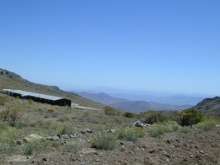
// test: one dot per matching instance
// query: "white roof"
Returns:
(38, 95)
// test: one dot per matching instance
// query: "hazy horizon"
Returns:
(161, 46)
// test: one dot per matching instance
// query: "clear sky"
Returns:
(163, 45)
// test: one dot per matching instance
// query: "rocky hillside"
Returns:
(12, 80)
(209, 106)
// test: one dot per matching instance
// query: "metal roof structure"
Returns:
(32, 94)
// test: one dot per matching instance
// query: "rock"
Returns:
(65, 136)
(168, 141)
(53, 138)
(88, 130)
(122, 143)
(201, 152)
(152, 151)
(111, 131)
(74, 135)
(44, 159)
(139, 123)
(122, 148)
(32, 138)
(88, 151)
(83, 132)
(17, 159)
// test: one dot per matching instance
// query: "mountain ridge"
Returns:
(13, 80)
(128, 105)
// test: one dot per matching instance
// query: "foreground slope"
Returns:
(14, 81)
(61, 135)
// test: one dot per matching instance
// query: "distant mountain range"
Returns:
(130, 106)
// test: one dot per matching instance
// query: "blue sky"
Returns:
(171, 45)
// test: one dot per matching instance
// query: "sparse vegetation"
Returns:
(161, 128)
(111, 111)
(131, 134)
(28, 149)
(72, 147)
(207, 124)
(104, 141)
(2, 100)
(11, 115)
(185, 129)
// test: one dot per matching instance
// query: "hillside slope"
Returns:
(14, 81)
(209, 106)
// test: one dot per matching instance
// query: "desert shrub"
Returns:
(60, 128)
(104, 141)
(7, 134)
(35, 146)
(185, 130)
(6, 148)
(154, 117)
(2, 100)
(72, 147)
(207, 124)
(50, 110)
(7, 138)
(189, 117)
(130, 134)
(11, 116)
(159, 129)
(111, 111)
(129, 115)
(28, 149)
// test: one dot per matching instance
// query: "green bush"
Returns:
(130, 134)
(104, 141)
(7, 134)
(185, 130)
(36, 146)
(190, 117)
(206, 125)
(111, 111)
(28, 149)
(72, 147)
(159, 129)
(129, 115)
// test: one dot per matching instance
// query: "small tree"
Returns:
(190, 117)
(153, 117)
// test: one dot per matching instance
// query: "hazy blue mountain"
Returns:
(128, 105)
(152, 96)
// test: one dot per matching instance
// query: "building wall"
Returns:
(61, 102)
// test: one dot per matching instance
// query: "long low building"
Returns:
(38, 97)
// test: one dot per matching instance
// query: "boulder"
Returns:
(53, 138)
(32, 137)
(140, 124)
